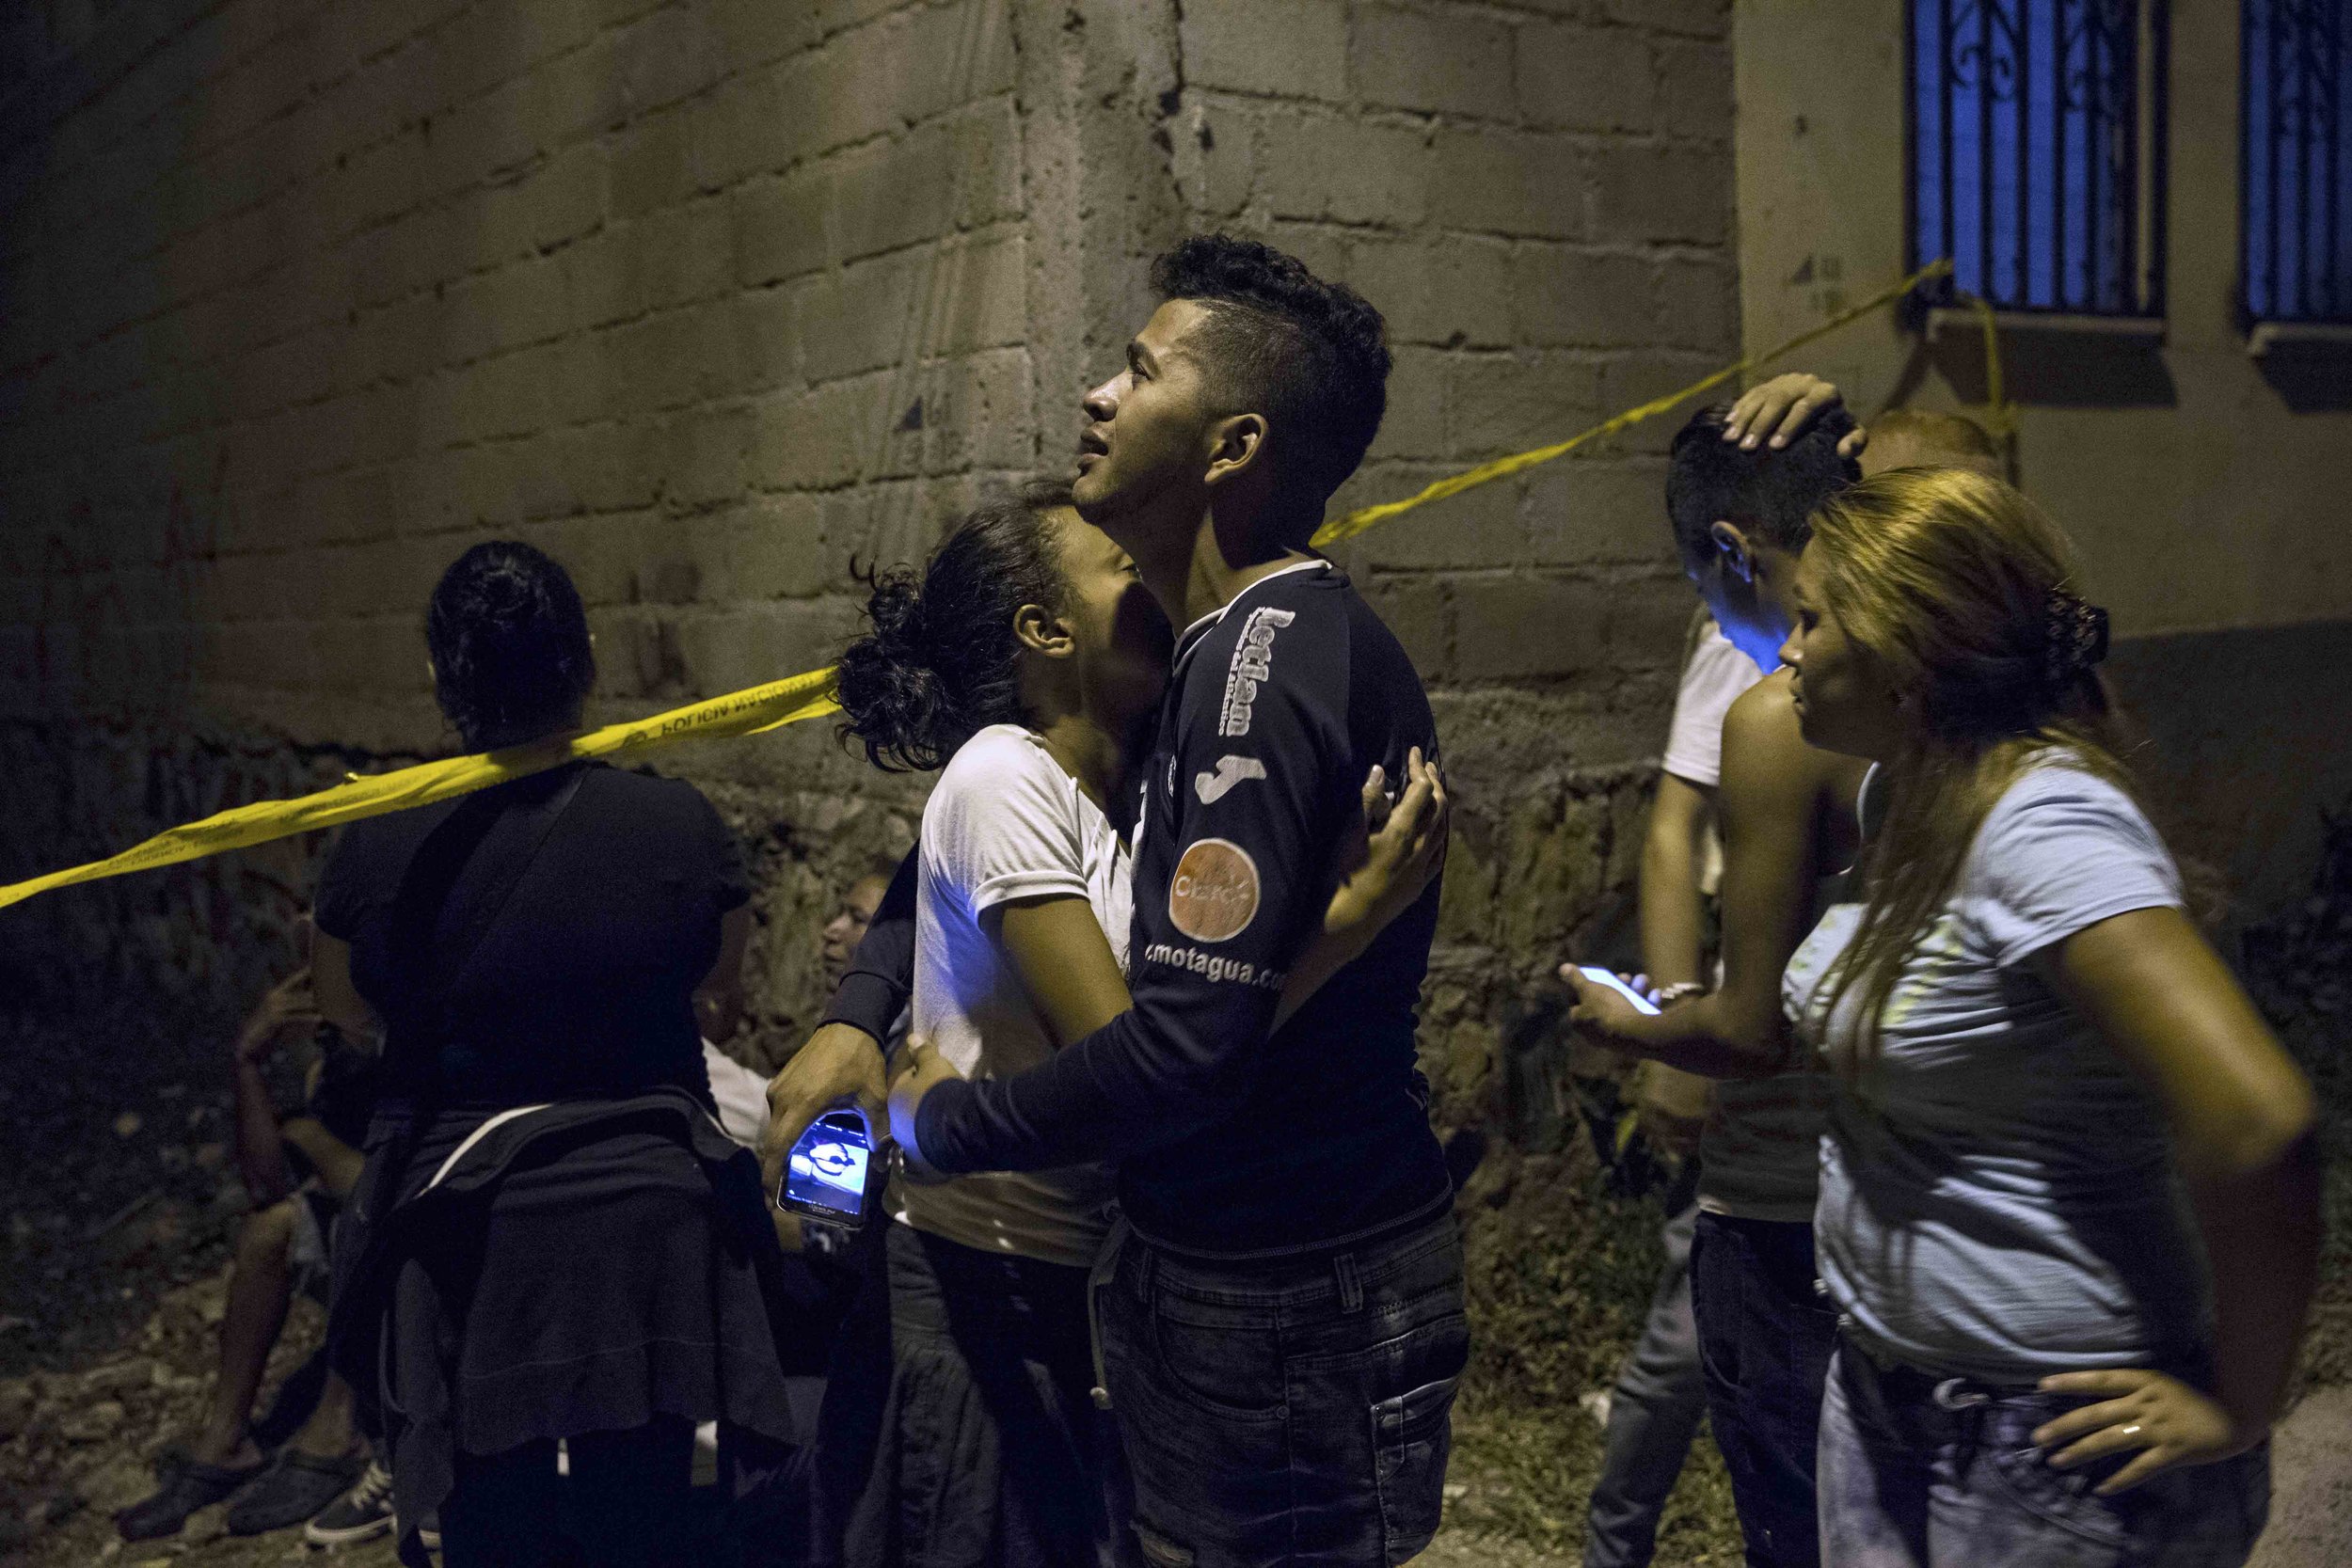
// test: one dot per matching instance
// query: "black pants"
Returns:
(1765, 1340)
(627, 1502)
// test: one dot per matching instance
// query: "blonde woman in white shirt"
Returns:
(1026, 658)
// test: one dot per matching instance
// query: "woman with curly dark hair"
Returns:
(1025, 660)
(566, 1265)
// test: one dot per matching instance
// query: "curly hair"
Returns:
(1311, 355)
(509, 641)
(941, 662)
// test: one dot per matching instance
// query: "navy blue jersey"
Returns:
(1233, 1138)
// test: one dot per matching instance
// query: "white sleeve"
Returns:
(1003, 823)
(741, 1096)
(2059, 852)
(1713, 678)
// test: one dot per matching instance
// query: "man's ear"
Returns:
(1733, 550)
(1041, 631)
(1236, 446)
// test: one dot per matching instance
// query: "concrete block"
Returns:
(1528, 627)
(1699, 303)
(1586, 78)
(753, 32)
(1509, 182)
(775, 549)
(712, 444)
(959, 172)
(866, 317)
(1480, 528)
(1565, 295)
(1280, 48)
(1628, 381)
(1661, 193)
(1451, 62)
(824, 436)
(1314, 166)
(1694, 90)
(579, 94)
(669, 55)
(1215, 158)
(687, 254)
(1418, 612)
(780, 228)
(1585, 510)
(1507, 403)
(650, 167)
(767, 340)
(1415, 423)
(1649, 619)
(601, 280)
(1698, 18)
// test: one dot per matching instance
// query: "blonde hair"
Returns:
(1958, 590)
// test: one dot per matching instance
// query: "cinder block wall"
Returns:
(712, 299)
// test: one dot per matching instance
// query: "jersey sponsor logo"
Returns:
(1214, 969)
(1253, 661)
(1231, 770)
(1213, 896)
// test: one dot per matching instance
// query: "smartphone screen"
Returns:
(1603, 978)
(825, 1177)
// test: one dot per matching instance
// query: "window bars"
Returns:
(2036, 132)
(2296, 183)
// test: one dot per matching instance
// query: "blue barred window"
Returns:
(2037, 151)
(2298, 176)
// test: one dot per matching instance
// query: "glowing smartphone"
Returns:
(829, 1176)
(1604, 978)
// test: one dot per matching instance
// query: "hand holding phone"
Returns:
(832, 1176)
(1600, 976)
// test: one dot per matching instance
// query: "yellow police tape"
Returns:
(760, 708)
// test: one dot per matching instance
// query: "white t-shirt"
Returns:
(741, 1096)
(1997, 1194)
(1004, 823)
(1714, 673)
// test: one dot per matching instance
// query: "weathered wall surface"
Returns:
(711, 299)
(2205, 486)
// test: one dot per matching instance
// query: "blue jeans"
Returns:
(1654, 1412)
(1290, 1411)
(1917, 1472)
(1765, 1339)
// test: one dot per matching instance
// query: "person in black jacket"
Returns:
(564, 1263)
(1282, 1333)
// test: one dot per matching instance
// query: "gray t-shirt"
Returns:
(1997, 1194)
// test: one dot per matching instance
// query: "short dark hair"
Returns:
(941, 662)
(1311, 355)
(1770, 492)
(509, 640)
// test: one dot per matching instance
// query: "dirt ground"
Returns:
(118, 1202)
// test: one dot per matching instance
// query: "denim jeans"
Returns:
(1921, 1473)
(1289, 1411)
(1765, 1339)
(1654, 1412)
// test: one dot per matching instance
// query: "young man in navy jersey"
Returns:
(1282, 1329)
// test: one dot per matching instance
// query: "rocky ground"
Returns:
(118, 1202)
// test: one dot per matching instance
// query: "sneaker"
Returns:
(361, 1513)
(187, 1487)
(429, 1534)
(296, 1486)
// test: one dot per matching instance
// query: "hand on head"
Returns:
(1775, 412)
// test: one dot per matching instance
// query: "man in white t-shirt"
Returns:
(1660, 1395)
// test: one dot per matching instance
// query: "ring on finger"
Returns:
(2132, 1431)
